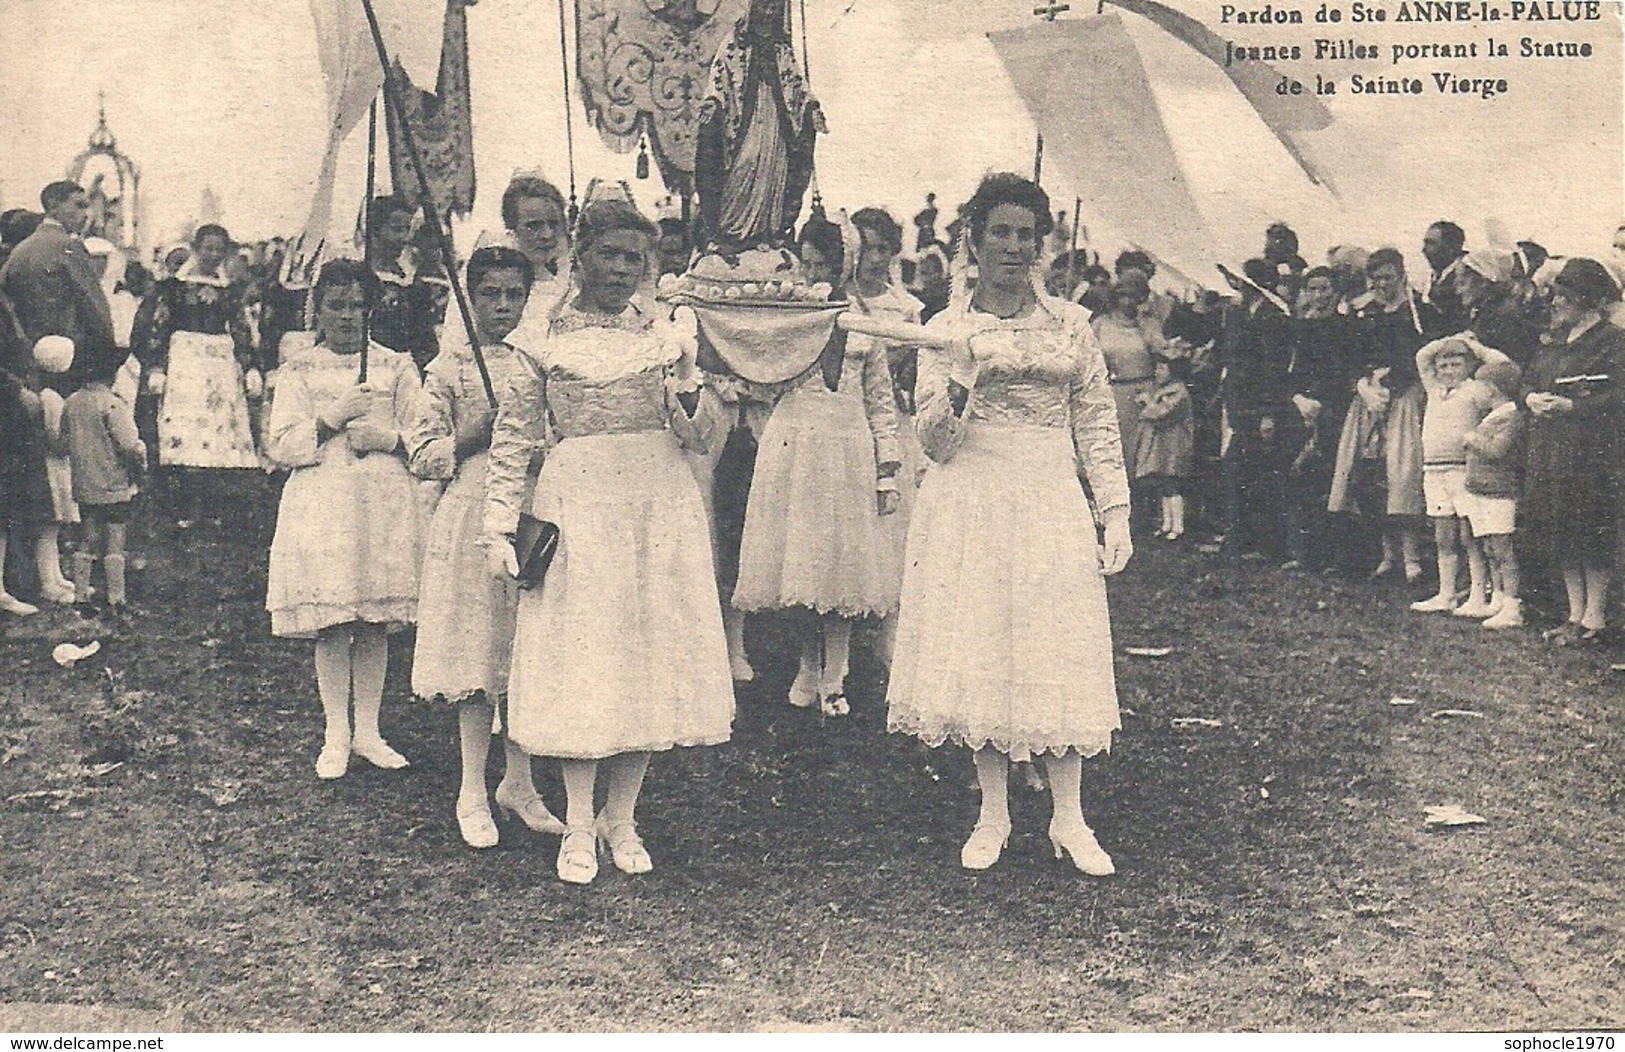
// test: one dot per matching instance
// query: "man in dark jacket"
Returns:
(1264, 433)
(1326, 363)
(53, 286)
(1445, 246)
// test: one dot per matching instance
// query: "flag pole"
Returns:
(431, 214)
(366, 222)
(1072, 253)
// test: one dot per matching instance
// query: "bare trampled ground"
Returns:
(1274, 871)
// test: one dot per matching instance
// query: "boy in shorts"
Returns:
(107, 454)
(1456, 403)
(1494, 450)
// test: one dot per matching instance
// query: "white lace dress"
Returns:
(349, 537)
(1003, 635)
(465, 615)
(813, 533)
(621, 647)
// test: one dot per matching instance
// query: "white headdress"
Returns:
(602, 191)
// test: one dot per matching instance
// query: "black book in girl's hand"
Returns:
(534, 543)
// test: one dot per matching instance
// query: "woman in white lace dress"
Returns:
(1003, 638)
(348, 544)
(877, 290)
(466, 616)
(619, 653)
(826, 478)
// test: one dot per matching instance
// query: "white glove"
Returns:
(684, 335)
(349, 405)
(254, 383)
(962, 362)
(1119, 546)
(156, 380)
(501, 561)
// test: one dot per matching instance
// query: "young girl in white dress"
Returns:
(465, 616)
(876, 289)
(619, 652)
(826, 473)
(1003, 638)
(348, 545)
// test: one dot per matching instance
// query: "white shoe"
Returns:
(334, 761)
(740, 668)
(59, 591)
(1439, 604)
(985, 845)
(1079, 842)
(1509, 616)
(803, 691)
(1476, 607)
(475, 823)
(578, 855)
(10, 604)
(625, 846)
(377, 752)
(526, 804)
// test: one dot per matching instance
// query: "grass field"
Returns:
(1273, 871)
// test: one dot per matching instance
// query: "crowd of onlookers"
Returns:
(1461, 432)
(1345, 418)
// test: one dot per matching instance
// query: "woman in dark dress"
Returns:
(1575, 393)
(198, 356)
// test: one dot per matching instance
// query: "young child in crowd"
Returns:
(107, 455)
(1305, 487)
(1456, 402)
(54, 357)
(1167, 440)
(1494, 449)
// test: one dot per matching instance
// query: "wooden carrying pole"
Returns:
(366, 223)
(1072, 252)
(431, 214)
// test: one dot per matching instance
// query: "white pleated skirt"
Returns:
(1003, 633)
(465, 614)
(813, 533)
(621, 648)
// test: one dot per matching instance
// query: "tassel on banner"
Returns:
(643, 155)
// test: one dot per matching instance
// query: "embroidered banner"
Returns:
(442, 126)
(352, 75)
(642, 66)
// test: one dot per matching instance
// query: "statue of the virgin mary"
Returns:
(758, 122)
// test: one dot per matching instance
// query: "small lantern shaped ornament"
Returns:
(643, 156)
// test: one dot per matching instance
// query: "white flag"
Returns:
(411, 30)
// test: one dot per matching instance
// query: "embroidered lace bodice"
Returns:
(592, 375)
(1042, 370)
(454, 399)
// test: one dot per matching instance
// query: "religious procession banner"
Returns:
(1285, 114)
(1087, 89)
(643, 65)
(411, 31)
(442, 125)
